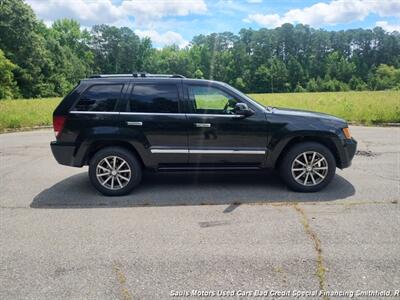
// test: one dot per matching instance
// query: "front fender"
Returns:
(285, 135)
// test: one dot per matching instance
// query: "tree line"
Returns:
(40, 61)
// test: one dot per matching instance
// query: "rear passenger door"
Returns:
(153, 120)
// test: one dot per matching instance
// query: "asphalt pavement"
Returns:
(220, 235)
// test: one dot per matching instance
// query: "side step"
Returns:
(215, 168)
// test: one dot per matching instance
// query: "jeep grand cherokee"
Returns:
(121, 124)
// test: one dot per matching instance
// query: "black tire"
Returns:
(285, 167)
(130, 159)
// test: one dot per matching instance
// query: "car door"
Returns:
(217, 135)
(153, 121)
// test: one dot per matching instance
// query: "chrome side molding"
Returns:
(206, 151)
(151, 114)
(94, 112)
(170, 151)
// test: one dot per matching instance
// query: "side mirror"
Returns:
(243, 110)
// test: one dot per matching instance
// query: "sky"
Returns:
(169, 22)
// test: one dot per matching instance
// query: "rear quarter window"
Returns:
(101, 97)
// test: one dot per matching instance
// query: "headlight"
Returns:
(346, 132)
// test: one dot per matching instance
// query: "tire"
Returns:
(110, 180)
(295, 162)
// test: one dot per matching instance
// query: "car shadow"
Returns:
(170, 189)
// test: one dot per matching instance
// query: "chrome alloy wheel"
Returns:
(113, 172)
(309, 168)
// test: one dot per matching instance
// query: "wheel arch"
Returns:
(326, 141)
(101, 144)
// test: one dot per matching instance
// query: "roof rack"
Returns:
(142, 75)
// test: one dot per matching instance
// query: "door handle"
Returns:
(134, 123)
(202, 125)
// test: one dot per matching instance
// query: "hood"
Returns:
(306, 114)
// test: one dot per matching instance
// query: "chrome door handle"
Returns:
(202, 125)
(134, 123)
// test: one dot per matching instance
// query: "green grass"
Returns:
(359, 107)
(16, 114)
(210, 101)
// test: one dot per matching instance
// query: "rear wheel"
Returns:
(308, 167)
(114, 171)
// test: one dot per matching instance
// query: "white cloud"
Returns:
(145, 11)
(229, 7)
(254, 1)
(388, 27)
(334, 12)
(167, 38)
(90, 12)
(87, 12)
(265, 20)
(143, 14)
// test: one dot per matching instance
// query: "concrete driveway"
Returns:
(219, 235)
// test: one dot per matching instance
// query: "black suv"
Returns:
(121, 124)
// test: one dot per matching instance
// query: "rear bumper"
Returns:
(348, 152)
(64, 154)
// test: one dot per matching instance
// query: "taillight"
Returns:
(58, 124)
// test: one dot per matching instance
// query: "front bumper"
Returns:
(347, 153)
(64, 153)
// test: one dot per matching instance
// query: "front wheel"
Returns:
(308, 167)
(114, 171)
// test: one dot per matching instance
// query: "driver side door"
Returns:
(218, 137)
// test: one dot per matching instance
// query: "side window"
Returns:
(99, 98)
(154, 98)
(211, 100)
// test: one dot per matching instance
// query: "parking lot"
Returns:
(181, 233)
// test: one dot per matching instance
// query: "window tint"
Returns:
(211, 100)
(160, 98)
(99, 98)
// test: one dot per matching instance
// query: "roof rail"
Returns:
(109, 75)
(143, 75)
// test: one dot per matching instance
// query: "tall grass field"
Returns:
(17, 114)
(358, 107)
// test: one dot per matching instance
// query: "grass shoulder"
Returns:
(25, 113)
(368, 108)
